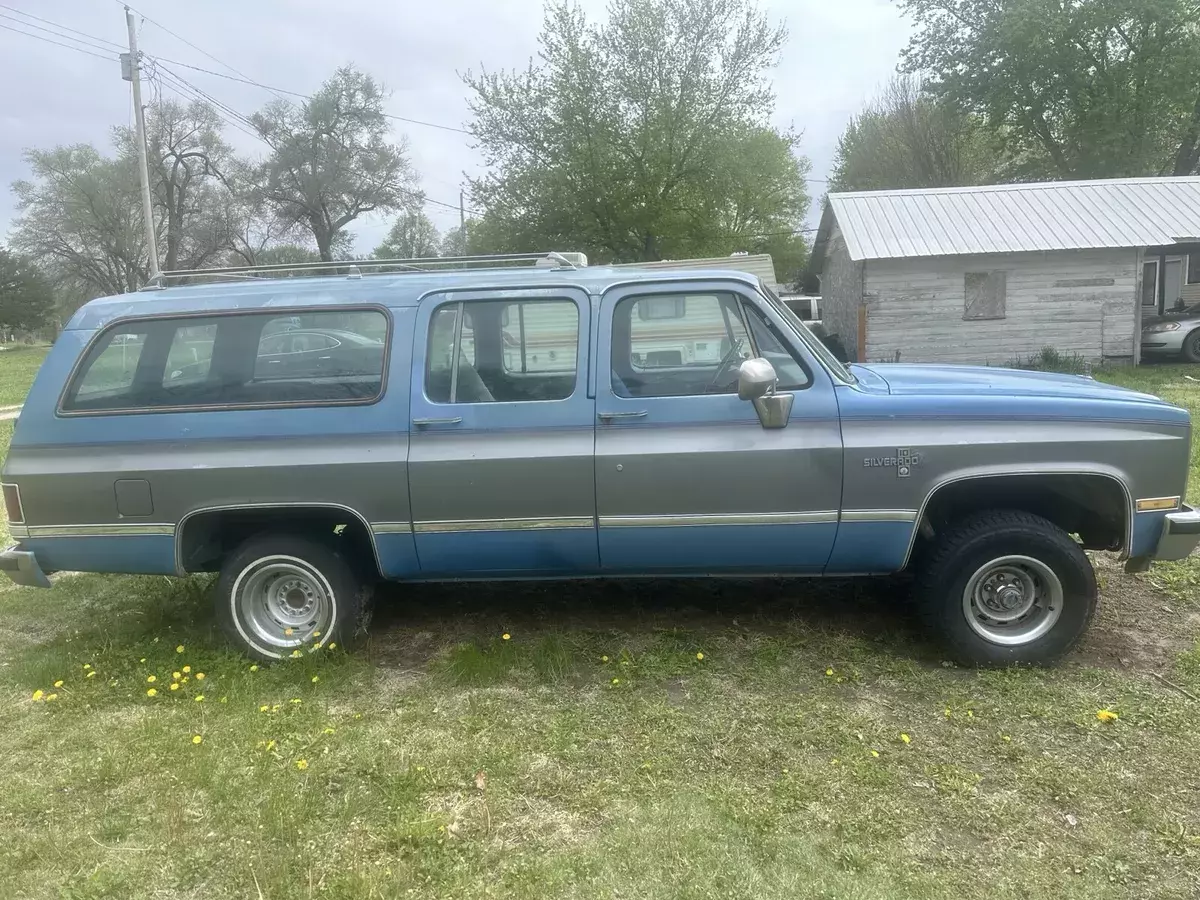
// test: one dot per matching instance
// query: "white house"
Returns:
(992, 273)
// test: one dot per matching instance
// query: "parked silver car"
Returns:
(1175, 333)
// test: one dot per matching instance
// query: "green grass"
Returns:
(18, 364)
(594, 753)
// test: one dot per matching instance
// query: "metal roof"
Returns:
(1013, 218)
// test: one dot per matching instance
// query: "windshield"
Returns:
(810, 340)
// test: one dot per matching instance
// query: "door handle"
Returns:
(636, 414)
(449, 420)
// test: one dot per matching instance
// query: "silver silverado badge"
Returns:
(904, 460)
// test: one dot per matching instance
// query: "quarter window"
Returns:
(233, 360)
(493, 351)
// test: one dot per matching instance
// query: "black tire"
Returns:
(1191, 347)
(284, 566)
(966, 548)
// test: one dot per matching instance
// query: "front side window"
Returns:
(256, 359)
(697, 351)
(491, 351)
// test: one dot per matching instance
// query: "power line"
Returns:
(38, 37)
(92, 40)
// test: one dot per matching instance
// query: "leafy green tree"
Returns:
(1074, 88)
(80, 217)
(331, 158)
(907, 138)
(26, 296)
(641, 138)
(411, 236)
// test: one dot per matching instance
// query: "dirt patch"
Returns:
(1137, 626)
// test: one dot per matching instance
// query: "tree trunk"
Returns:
(1188, 157)
(324, 244)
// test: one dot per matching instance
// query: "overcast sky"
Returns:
(837, 56)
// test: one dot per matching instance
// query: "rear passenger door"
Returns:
(501, 469)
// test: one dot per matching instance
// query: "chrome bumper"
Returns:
(1180, 534)
(22, 567)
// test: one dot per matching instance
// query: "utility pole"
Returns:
(134, 71)
(462, 222)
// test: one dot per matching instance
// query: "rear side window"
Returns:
(259, 359)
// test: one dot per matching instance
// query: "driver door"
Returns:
(687, 479)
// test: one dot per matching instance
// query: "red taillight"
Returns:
(12, 503)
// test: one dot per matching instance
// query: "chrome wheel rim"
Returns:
(281, 603)
(1012, 600)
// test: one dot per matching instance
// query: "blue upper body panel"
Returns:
(387, 290)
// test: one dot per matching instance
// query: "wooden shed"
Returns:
(995, 273)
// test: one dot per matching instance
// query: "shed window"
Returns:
(984, 295)
(1193, 267)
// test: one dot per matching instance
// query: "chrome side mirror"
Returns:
(756, 378)
(756, 383)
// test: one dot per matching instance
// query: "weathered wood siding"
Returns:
(1077, 301)
(841, 292)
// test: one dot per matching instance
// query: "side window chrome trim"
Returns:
(115, 324)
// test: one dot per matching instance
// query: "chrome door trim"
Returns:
(391, 527)
(108, 529)
(784, 518)
(879, 515)
(446, 526)
(283, 505)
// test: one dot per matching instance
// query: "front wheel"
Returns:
(1191, 347)
(1007, 587)
(281, 594)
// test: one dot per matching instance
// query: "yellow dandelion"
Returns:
(254, 668)
(358, 715)
(270, 745)
(875, 753)
(288, 632)
(91, 674)
(829, 673)
(179, 649)
(199, 698)
(1107, 715)
(316, 634)
(604, 659)
(143, 659)
(905, 738)
(316, 678)
(616, 681)
(947, 712)
(506, 636)
(296, 700)
(150, 679)
(699, 656)
(37, 695)
(50, 697)
(199, 676)
(327, 731)
(58, 683)
(316, 646)
(1006, 738)
(187, 669)
(196, 739)
(332, 645)
(296, 654)
(263, 708)
(153, 692)
(302, 764)
(970, 713)
(176, 675)
(87, 665)
(174, 685)
(183, 680)
(275, 708)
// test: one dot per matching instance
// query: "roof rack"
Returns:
(357, 268)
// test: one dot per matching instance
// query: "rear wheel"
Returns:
(1191, 347)
(1007, 588)
(278, 594)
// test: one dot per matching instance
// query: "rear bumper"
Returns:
(22, 567)
(1180, 534)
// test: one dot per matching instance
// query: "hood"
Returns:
(904, 378)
